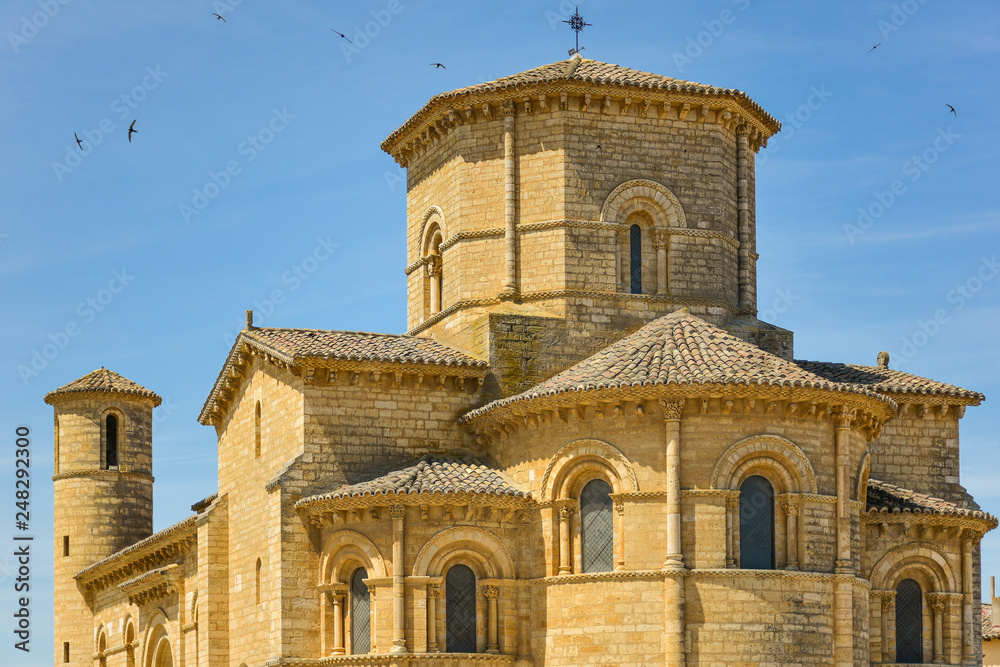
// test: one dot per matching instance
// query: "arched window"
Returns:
(129, 646)
(756, 524)
(909, 622)
(635, 259)
(256, 430)
(102, 646)
(111, 442)
(435, 272)
(257, 582)
(361, 636)
(460, 609)
(597, 527)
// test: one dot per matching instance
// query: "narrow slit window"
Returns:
(257, 581)
(756, 524)
(597, 527)
(635, 259)
(65, 545)
(909, 623)
(66, 645)
(361, 636)
(460, 609)
(111, 442)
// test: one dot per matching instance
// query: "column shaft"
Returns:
(565, 552)
(338, 624)
(509, 200)
(398, 515)
(672, 419)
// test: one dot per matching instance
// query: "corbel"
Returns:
(791, 409)
(645, 107)
(307, 375)
(664, 110)
(354, 379)
(704, 406)
(424, 512)
(543, 102)
(454, 118)
(959, 411)
(748, 404)
(704, 112)
(640, 410)
(811, 412)
(724, 118)
(924, 408)
(586, 102)
(579, 411)
(606, 104)
(441, 380)
(599, 411)
(446, 512)
(533, 420)
(419, 380)
(481, 380)
(373, 513)
(624, 105)
(546, 418)
(470, 115)
(331, 377)
(376, 376)
(618, 411)
(564, 101)
(943, 411)
(683, 113)
(771, 407)
(560, 415)
(487, 111)
(727, 407)
(354, 515)
(527, 104)
(397, 379)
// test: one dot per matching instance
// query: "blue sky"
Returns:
(258, 143)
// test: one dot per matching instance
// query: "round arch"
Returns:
(921, 562)
(157, 645)
(345, 550)
(433, 217)
(777, 458)
(577, 462)
(644, 195)
(482, 551)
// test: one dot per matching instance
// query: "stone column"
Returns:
(620, 535)
(968, 650)
(842, 418)
(338, 623)
(565, 549)
(621, 276)
(674, 628)
(432, 600)
(492, 594)
(938, 604)
(433, 267)
(672, 418)
(373, 625)
(747, 289)
(888, 626)
(398, 514)
(509, 202)
(732, 507)
(791, 506)
(660, 238)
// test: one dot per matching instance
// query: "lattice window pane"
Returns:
(909, 622)
(635, 258)
(361, 617)
(460, 609)
(597, 527)
(756, 524)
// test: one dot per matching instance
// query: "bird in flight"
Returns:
(342, 35)
(874, 47)
(131, 129)
(78, 142)
(219, 17)
(438, 65)
(952, 109)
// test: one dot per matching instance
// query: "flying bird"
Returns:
(952, 109)
(874, 47)
(342, 35)
(131, 129)
(438, 65)
(219, 17)
(78, 142)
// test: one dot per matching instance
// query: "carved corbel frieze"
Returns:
(672, 409)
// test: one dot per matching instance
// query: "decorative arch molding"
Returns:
(127, 624)
(644, 195)
(467, 545)
(433, 215)
(773, 453)
(157, 639)
(560, 469)
(342, 549)
(920, 561)
(100, 632)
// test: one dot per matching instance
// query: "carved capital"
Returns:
(490, 592)
(432, 265)
(844, 416)
(508, 108)
(565, 513)
(743, 130)
(790, 504)
(937, 601)
(732, 502)
(660, 238)
(433, 590)
(397, 512)
(887, 599)
(619, 505)
(672, 409)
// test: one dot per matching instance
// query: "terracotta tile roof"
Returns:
(178, 534)
(885, 498)
(103, 380)
(292, 345)
(430, 475)
(887, 380)
(989, 631)
(583, 70)
(678, 349)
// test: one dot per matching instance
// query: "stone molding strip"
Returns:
(103, 474)
(393, 659)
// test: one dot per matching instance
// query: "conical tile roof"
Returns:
(103, 380)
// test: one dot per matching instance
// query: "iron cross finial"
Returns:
(576, 24)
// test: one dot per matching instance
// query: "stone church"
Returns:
(586, 449)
